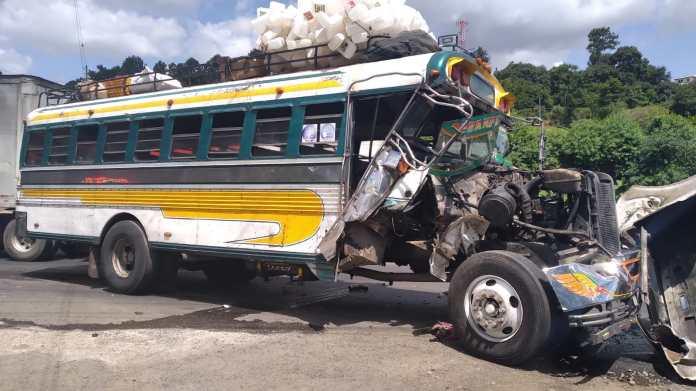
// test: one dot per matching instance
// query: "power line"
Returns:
(80, 39)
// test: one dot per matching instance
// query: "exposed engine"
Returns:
(558, 215)
(557, 204)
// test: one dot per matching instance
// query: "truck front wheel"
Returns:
(500, 308)
(24, 249)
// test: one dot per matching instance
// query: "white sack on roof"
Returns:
(145, 82)
(346, 25)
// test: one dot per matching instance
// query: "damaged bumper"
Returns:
(579, 286)
(603, 296)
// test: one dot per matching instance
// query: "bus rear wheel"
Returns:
(24, 249)
(126, 262)
(500, 308)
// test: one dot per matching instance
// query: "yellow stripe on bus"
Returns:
(298, 213)
(163, 103)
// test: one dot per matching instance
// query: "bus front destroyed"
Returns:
(522, 251)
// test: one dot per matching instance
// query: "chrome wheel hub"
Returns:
(22, 245)
(493, 308)
(123, 258)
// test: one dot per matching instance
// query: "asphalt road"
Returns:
(61, 330)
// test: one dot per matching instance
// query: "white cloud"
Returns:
(537, 31)
(153, 7)
(540, 31)
(12, 62)
(50, 26)
(230, 38)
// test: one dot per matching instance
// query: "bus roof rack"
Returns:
(220, 69)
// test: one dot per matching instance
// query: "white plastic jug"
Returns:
(260, 24)
(360, 13)
(342, 44)
(300, 27)
(276, 44)
(268, 36)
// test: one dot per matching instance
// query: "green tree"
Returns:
(529, 83)
(603, 88)
(629, 64)
(684, 100)
(132, 65)
(600, 40)
(160, 67)
(191, 62)
(103, 72)
(482, 53)
(565, 85)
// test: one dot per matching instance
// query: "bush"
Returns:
(610, 145)
(684, 100)
(646, 115)
(667, 154)
(525, 147)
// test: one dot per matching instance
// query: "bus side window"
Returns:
(86, 151)
(320, 130)
(226, 137)
(117, 134)
(185, 136)
(35, 149)
(272, 127)
(149, 139)
(60, 146)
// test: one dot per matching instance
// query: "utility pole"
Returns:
(542, 140)
(80, 39)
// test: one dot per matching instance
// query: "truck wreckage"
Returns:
(665, 218)
(531, 257)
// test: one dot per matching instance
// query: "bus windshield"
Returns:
(476, 142)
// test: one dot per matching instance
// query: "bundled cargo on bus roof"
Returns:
(145, 81)
(345, 26)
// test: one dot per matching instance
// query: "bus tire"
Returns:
(125, 262)
(500, 307)
(228, 273)
(23, 249)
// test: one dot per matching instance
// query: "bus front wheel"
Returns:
(125, 262)
(500, 308)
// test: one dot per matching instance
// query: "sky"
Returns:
(39, 37)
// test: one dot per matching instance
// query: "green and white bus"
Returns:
(334, 171)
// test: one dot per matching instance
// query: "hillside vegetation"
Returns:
(621, 115)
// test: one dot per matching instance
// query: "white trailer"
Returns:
(19, 95)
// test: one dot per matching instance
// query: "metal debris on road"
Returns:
(443, 331)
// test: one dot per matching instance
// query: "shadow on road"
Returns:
(317, 304)
(313, 306)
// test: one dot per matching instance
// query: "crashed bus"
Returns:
(339, 171)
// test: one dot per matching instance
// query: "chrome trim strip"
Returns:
(208, 163)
